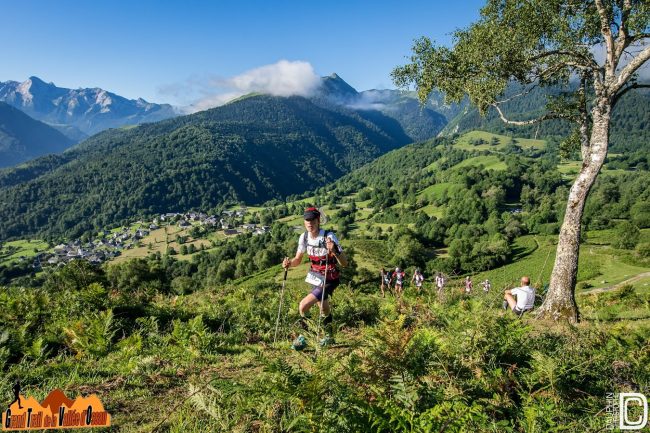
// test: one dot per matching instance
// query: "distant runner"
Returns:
(440, 282)
(325, 254)
(487, 285)
(385, 282)
(418, 279)
(468, 285)
(16, 390)
(398, 276)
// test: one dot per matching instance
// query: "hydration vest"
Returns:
(320, 263)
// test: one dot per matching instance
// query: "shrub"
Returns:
(91, 335)
(626, 235)
(643, 250)
(583, 285)
(353, 309)
(182, 285)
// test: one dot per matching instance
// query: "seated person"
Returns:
(520, 299)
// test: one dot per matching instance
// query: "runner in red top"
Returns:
(325, 254)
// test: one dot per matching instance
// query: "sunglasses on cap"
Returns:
(311, 213)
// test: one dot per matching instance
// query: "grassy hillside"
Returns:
(207, 361)
(482, 140)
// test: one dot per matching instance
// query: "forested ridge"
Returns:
(23, 138)
(251, 150)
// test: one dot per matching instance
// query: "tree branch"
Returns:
(547, 116)
(622, 36)
(583, 119)
(630, 69)
(606, 31)
(627, 89)
(637, 37)
(581, 61)
(587, 62)
(524, 93)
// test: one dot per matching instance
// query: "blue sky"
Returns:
(161, 50)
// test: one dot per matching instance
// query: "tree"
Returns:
(546, 43)
(640, 214)
(626, 235)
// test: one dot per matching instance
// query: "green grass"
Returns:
(363, 214)
(614, 172)
(292, 220)
(436, 190)
(490, 162)
(434, 166)
(432, 210)
(599, 266)
(363, 204)
(150, 375)
(569, 169)
(155, 242)
(12, 251)
(642, 285)
(370, 254)
(463, 142)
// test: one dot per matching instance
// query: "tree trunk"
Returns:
(560, 303)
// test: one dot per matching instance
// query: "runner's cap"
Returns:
(311, 213)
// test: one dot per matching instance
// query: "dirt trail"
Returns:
(619, 285)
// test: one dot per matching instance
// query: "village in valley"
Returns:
(171, 232)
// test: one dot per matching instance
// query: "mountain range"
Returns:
(83, 112)
(419, 121)
(79, 113)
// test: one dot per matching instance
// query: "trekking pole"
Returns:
(539, 277)
(277, 321)
(322, 298)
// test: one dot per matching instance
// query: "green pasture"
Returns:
(463, 142)
(11, 252)
(435, 190)
(434, 166)
(489, 162)
(363, 204)
(363, 213)
(599, 266)
(432, 210)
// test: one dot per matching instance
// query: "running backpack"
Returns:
(317, 263)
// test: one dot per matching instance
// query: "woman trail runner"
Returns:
(326, 257)
(468, 285)
(385, 282)
(418, 279)
(440, 282)
(398, 276)
(486, 286)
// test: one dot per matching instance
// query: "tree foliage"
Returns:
(540, 43)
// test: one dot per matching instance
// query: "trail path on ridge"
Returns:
(619, 285)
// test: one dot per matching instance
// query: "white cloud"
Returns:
(284, 78)
(369, 100)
